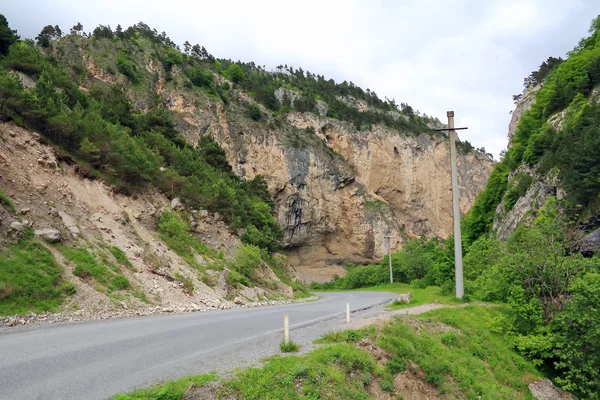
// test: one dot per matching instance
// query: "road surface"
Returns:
(96, 360)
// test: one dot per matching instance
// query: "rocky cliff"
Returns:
(338, 187)
(337, 190)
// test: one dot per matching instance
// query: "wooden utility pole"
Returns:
(388, 241)
(460, 290)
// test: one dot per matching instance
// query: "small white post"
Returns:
(286, 329)
(347, 312)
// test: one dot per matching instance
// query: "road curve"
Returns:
(96, 360)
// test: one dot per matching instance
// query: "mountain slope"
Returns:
(343, 167)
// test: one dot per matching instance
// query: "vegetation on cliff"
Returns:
(572, 150)
(102, 129)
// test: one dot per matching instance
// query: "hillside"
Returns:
(342, 166)
(169, 180)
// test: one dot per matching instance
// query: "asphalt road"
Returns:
(96, 360)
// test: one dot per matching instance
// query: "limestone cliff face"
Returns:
(338, 191)
(523, 105)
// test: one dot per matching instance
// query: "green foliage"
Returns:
(173, 390)
(517, 188)
(121, 257)
(200, 77)
(88, 267)
(577, 334)
(7, 202)
(246, 260)
(128, 148)
(234, 73)
(254, 112)
(119, 282)
(176, 234)
(420, 262)
(340, 371)
(128, 67)
(289, 347)
(480, 218)
(471, 360)
(7, 36)
(30, 279)
(234, 278)
(567, 83)
(103, 32)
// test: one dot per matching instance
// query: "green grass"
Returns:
(168, 391)
(431, 294)
(121, 257)
(7, 202)
(469, 361)
(340, 371)
(87, 267)
(30, 279)
(289, 347)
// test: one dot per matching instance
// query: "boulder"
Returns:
(239, 301)
(17, 226)
(50, 235)
(176, 203)
(545, 390)
(590, 243)
(405, 298)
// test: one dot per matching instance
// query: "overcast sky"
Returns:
(469, 56)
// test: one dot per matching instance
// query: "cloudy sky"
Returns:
(469, 56)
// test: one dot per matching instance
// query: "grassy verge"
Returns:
(170, 390)
(428, 295)
(453, 352)
(30, 279)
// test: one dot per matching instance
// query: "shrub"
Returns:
(235, 279)
(200, 77)
(119, 282)
(254, 112)
(246, 260)
(289, 347)
(577, 334)
(128, 67)
(234, 73)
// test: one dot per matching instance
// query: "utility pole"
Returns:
(388, 242)
(460, 290)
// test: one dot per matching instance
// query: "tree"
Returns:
(119, 31)
(577, 335)
(58, 31)
(187, 47)
(44, 37)
(78, 28)
(7, 36)
(235, 73)
(542, 257)
(103, 31)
